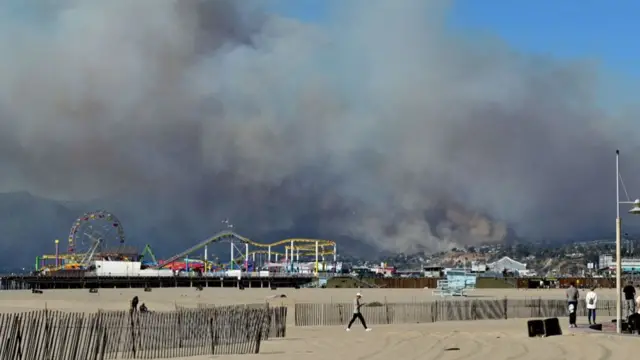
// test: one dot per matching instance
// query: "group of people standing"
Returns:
(631, 302)
(591, 303)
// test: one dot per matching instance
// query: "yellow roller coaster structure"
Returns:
(293, 245)
(253, 253)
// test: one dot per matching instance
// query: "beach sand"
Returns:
(487, 339)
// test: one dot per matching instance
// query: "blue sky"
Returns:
(605, 31)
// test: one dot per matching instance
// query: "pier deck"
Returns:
(21, 282)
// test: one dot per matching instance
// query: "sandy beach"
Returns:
(495, 339)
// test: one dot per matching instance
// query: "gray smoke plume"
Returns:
(379, 125)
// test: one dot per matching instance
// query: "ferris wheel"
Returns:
(96, 231)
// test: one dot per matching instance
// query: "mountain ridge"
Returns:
(30, 225)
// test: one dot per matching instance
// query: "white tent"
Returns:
(508, 264)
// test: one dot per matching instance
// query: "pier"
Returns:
(86, 281)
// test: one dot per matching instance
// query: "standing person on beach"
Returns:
(629, 298)
(572, 303)
(591, 301)
(357, 304)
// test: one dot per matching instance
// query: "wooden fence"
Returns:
(276, 326)
(406, 283)
(441, 310)
(487, 282)
(47, 334)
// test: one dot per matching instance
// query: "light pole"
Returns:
(634, 210)
(229, 227)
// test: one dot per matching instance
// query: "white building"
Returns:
(117, 268)
(478, 267)
(606, 261)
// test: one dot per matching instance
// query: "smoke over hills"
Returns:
(379, 125)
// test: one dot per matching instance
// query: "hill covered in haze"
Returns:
(29, 225)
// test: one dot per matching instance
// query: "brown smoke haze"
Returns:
(380, 125)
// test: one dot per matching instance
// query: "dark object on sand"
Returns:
(147, 289)
(535, 328)
(452, 349)
(596, 327)
(273, 287)
(134, 303)
(199, 288)
(552, 327)
(624, 325)
(143, 308)
(36, 291)
(93, 290)
(634, 323)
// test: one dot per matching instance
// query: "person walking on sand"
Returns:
(357, 304)
(591, 301)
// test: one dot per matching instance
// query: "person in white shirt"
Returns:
(357, 304)
(591, 301)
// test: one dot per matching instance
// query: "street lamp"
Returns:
(635, 210)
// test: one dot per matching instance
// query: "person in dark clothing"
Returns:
(629, 298)
(572, 303)
(357, 304)
(572, 316)
(134, 303)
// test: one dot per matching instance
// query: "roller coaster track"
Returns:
(231, 236)
(60, 256)
(265, 252)
(308, 249)
(259, 252)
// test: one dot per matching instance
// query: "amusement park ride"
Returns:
(97, 240)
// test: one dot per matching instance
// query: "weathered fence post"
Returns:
(133, 334)
(180, 332)
(505, 307)
(474, 310)
(258, 331)
(212, 335)
(386, 309)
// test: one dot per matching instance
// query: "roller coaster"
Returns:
(294, 249)
(92, 234)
